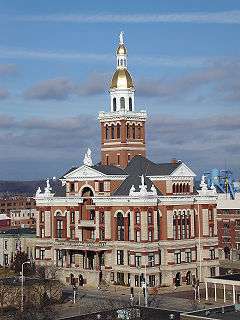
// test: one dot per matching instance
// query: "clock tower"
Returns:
(123, 128)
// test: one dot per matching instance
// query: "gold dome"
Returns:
(121, 79)
(121, 49)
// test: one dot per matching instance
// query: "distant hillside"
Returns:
(29, 188)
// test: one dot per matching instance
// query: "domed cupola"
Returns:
(122, 86)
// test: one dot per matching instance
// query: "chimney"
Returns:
(174, 161)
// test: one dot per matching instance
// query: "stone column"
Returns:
(224, 293)
(234, 294)
(206, 290)
(215, 292)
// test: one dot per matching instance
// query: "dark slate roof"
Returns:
(109, 169)
(125, 187)
(140, 165)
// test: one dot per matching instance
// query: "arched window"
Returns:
(130, 104)
(177, 188)
(133, 131)
(174, 188)
(188, 188)
(121, 62)
(180, 189)
(87, 192)
(114, 104)
(112, 131)
(120, 226)
(106, 133)
(118, 131)
(128, 133)
(122, 103)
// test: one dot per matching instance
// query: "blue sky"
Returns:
(57, 58)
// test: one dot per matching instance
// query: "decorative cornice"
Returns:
(122, 115)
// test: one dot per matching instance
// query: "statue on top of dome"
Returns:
(121, 37)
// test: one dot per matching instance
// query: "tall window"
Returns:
(181, 225)
(150, 235)
(120, 257)
(188, 256)
(212, 253)
(130, 104)
(151, 260)
(59, 228)
(120, 226)
(137, 235)
(138, 218)
(122, 103)
(72, 217)
(177, 256)
(118, 131)
(150, 218)
(112, 131)
(106, 132)
(138, 260)
(114, 104)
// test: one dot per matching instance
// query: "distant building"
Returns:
(16, 240)
(228, 218)
(9, 203)
(24, 218)
(127, 218)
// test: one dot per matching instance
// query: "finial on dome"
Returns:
(121, 37)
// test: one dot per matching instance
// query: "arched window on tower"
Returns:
(118, 131)
(112, 131)
(106, 132)
(122, 103)
(133, 131)
(114, 104)
(128, 133)
(139, 131)
(130, 104)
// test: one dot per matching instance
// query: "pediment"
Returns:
(84, 172)
(183, 171)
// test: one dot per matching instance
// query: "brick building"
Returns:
(9, 203)
(228, 219)
(127, 217)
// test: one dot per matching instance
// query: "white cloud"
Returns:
(226, 17)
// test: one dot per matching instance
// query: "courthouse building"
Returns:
(127, 217)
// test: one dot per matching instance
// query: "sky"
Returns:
(56, 61)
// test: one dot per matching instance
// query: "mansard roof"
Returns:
(140, 165)
(124, 188)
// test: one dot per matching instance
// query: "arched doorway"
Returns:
(188, 277)
(178, 279)
(81, 280)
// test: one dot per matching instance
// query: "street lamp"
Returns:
(26, 262)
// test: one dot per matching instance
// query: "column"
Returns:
(234, 295)
(224, 293)
(215, 292)
(206, 290)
